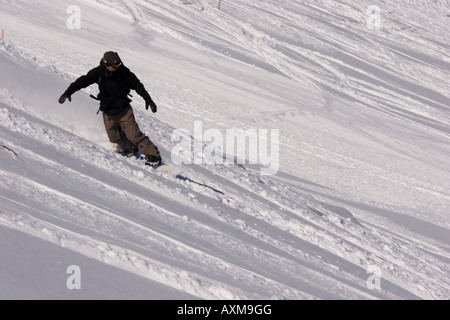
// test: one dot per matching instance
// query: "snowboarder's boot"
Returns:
(128, 152)
(153, 161)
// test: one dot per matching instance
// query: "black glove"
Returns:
(63, 98)
(151, 104)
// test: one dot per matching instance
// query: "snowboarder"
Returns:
(115, 81)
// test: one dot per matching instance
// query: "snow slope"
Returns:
(362, 183)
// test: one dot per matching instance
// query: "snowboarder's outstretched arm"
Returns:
(137, 86)
(82, 82)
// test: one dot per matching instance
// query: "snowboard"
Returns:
(165, 168)
(168, 169)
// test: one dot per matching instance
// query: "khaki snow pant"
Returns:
(125, 123)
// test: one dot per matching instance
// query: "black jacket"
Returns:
(114, 87)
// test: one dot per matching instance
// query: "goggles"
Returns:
(114, 65)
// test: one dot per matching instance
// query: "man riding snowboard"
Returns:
(115, 82)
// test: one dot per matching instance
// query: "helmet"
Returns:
(112, 59)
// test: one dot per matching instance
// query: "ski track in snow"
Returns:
(225, 231)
